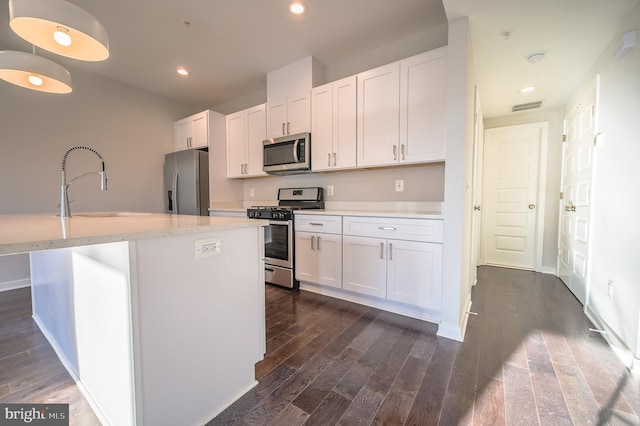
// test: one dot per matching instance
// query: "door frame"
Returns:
(476, 188)
(541, 190)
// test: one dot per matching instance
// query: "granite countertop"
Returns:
(34, 232)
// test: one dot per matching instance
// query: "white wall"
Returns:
(615, 234)
(458, 175)
(554, 165)
(132, 129)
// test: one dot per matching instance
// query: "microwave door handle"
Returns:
(295, 150)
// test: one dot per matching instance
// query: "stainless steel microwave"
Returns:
(287, 155)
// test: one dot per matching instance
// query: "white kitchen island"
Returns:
(159, 318)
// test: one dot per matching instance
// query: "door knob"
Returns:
(532, 206)
(476, 208)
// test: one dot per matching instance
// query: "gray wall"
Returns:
(132, 129)
(421, 183)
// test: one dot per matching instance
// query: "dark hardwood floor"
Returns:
(30, 371)
(528, 358)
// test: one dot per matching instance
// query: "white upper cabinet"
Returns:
(246, 130)
(401, 111)
(422, 107)
(333, 125)
(378, 115)
(192, 132)
(288, 116)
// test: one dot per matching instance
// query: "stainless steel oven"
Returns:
(279, 237)
(278, 251)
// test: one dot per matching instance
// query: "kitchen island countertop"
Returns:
(33, 232)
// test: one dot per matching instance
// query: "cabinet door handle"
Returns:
(313, 241)
(288, 130)
(381, 250)
(318, 245)
(283, 133)
(189, 142)
(402, 152)
(334, 159)
(316, 224)
(395, 153)
(387, 228)
(329, 159)
(390, 251)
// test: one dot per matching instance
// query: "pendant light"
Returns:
(59, 27)
(34, 72)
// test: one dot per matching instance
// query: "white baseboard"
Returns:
(549, 270)
(12, 285)
(227, 404)
(617, 345)
(374, 302)
(67, 365)
(453, 331)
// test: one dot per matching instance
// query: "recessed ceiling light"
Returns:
(535, 57)
(182, 71)
(297, 7)
(527, 89)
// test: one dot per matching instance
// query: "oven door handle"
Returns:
(280, 222)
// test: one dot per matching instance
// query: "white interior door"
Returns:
(576, 191)
(512, 220)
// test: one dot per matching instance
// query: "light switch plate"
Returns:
(399, 186)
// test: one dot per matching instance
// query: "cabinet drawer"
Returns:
(319, 223)
(427, 230)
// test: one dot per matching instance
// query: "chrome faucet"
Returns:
(64, 197)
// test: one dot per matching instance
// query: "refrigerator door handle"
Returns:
(175, 191)
(170, 200)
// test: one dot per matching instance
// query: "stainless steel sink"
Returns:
(111, 214)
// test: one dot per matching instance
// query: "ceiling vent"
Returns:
(524, 107)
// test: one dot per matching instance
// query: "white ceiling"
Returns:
(573, 33)
(231, 45)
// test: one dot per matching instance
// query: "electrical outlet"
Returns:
(399, 185)
(610, 289)
(208, 247)
(330, 190)
(252, 192)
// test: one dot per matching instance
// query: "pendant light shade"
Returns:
(59, 27)
(34, 72)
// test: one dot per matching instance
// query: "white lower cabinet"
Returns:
(319, 258)
(318, 245)
(399, 259)
(365, 265)
(403, 271)
(373, 260)
(414, 273)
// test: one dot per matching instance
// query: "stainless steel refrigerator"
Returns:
(186, 182)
